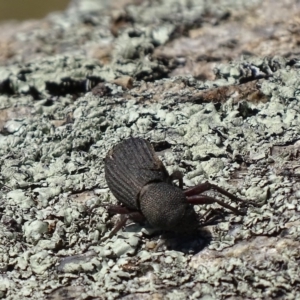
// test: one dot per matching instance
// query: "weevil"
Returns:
(141, 183)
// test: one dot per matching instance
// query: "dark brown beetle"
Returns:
(140, 181)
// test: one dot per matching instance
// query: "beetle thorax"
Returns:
(165, 207)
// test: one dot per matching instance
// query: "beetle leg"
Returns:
(203, 187)
(118, 209)
(135, 216)
(177, 175)
(120, 224)
(203, 199)
(211, 220)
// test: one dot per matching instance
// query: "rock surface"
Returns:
(214, 85)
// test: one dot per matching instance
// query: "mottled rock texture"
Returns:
(214, 85)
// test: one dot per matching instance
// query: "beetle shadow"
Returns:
(187, 242)
(190, 243)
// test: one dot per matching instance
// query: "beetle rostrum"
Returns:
(140, 182)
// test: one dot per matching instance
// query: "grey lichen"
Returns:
(54, 220)
(75, 165)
